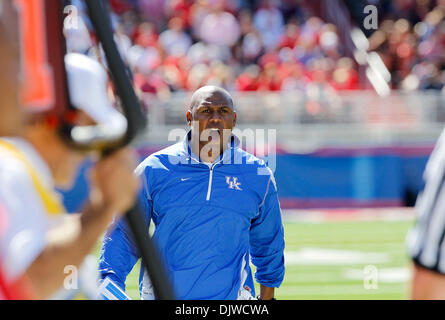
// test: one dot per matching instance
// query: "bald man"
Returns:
(212, 210)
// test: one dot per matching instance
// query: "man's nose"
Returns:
(216, 117)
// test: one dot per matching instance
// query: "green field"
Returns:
(327, 260)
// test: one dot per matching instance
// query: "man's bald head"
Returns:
(211, 110)
(207, 92)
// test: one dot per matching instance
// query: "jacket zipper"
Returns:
(209, 189)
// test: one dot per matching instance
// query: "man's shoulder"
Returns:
(161, 159)
(247, 158)
(257, 169)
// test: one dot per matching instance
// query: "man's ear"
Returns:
(188, 116)
(234, 118)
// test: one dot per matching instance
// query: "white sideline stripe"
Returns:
(384, 275)
(321, 256)
(369, 214)
(347, 291)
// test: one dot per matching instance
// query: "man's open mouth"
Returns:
(214, 133)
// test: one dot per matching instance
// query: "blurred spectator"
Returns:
(296, 79)
(329, 42)
(249, 46)
(220, 75)
(269, 79)
(174, 72)
(198, 76)
(201, 52)
(175, 40)
(248, 80)
(181, 9)
(198, 11)
(269, 22)
(153, 11)
(121, 6)
(145, 35)
(345, 77)
(219, 27)
(290, 37)
(433, 79)
(144, 60)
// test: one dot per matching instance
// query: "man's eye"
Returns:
(206, 110)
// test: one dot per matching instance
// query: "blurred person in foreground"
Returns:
(214, 206)
(426, 245)
(37, 241)
(10, 124)
(11, 115)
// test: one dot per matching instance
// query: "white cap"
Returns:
(87, 85)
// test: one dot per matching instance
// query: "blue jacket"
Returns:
(208, 220)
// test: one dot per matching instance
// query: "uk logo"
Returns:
(233, 183)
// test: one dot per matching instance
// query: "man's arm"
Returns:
(115, 191)
(67, 244)
(427, 284)
(266, 293)
(119, 253)
(267, 244)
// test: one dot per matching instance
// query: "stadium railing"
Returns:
(317, 118)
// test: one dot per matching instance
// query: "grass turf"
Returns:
(328, 279)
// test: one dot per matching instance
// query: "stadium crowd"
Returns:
(267, 45)
(410, 39)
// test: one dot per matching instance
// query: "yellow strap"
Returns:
(49, 199)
